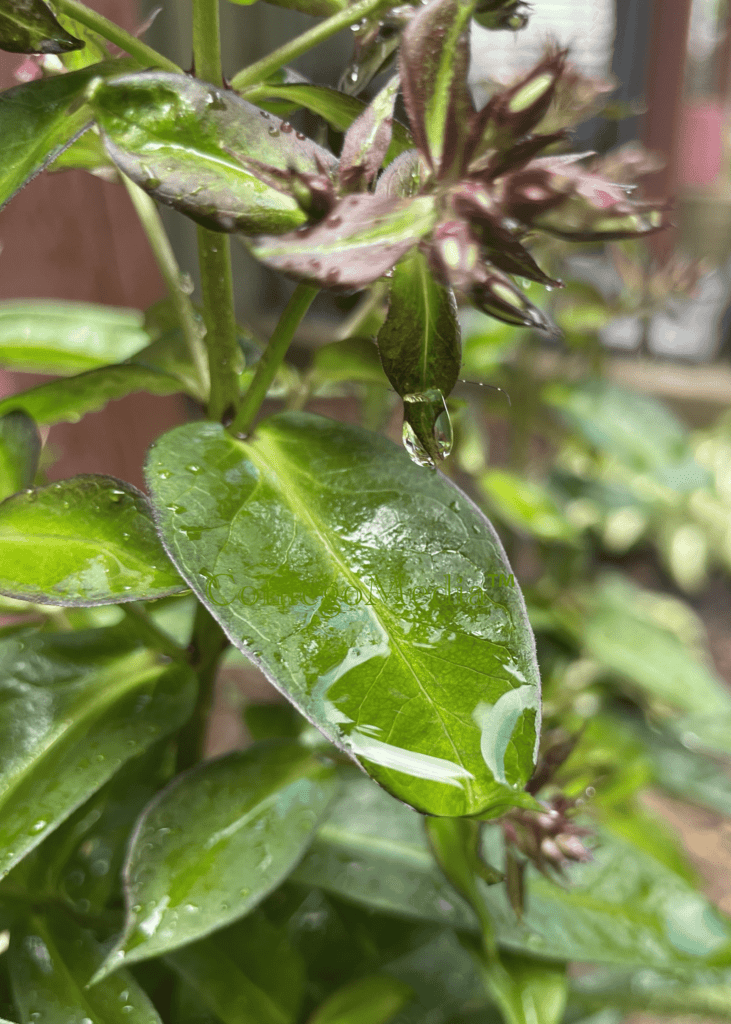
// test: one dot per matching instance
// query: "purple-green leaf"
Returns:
(497, 296)
(434, 63)
(367, 140)
(206, 151)
(360, 240)
(30, 26)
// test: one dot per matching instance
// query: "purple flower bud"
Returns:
(497, 296)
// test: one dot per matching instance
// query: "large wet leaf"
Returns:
(360, 240)
(623, 907)
(85, 541)
(30, 26)
(371, 592)
(205, 151)
(246, 974)
(74, 707)
(51, 960)
(216, 842)
(65, 338)
(20, 447)
(36, 123)
(71, 398)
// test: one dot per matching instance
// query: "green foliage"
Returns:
(495, 834)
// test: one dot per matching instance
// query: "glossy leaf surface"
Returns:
(622, 907)
(374, 999)
(373, 594)
(64, 338)
(434, 60)
(74, 707)
(69, 399)
(20, 447)
(51, 961)
(216, 842)
(30, 26)
(36, 125)
(85, 541)
(205, 151)
(367, 140)
(246, 974)
(360, 240)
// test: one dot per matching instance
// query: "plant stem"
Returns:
(145, 54)
(272, 357)
(214, 249)
(296, 47)
(165, 257)
(208, 644)
(152, 634)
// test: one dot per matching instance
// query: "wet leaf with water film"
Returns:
(213, 844)
(74, 707)
(420, 348)
(30, 26)
(85, 541)
(374, 595)
(51, 960)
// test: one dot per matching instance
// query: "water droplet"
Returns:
(301, 136)
(286, 127)
(353, 76)
(186, 283)
(454, 505)
(39, 825)
(334, 222)
(193, 468)
(273, 130)
(264, 114)
(164, 474)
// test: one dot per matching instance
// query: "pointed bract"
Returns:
(577, 220)
(361, 239)
(497, 296)
(367, 140)
(434, 63)
(402, 177)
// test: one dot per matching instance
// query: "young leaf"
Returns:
(374, 595)
(30, 26)
(374, 999)
(528, 990)
(36, 123)
(213, 844)
(65, 338)
(69, 399)
(74, 707)
(51, 960)
(247, 974)
(367, 140)
(84, 541)
(205, 151)
(20, 447)
(358, 242)
(420, 348)
(434, 62)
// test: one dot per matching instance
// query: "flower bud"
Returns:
(521, 107)
(497, 296)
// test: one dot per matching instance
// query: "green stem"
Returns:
(145, 54)
(272, 357)
(165, 258)
(263, 68)
(208, 644)
(152, 634)
(214, 249)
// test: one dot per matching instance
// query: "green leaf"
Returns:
(246, 974)
(706, 993)
(74, 707)
(85, 541)
(374, 999)
(215, 843)
(373, 594)
(434, 59)
(30, 26)
(51, 960)
(337, 108)
(20, 448)
(527, 507)
(66, 338)
(315, 8)
(353, 359)
(359, 241)
(37, 123)
(205, 151)
(273, 721)
(87, 153)
(421, 353)
(623, 907)
(68, 400)
(528, 990)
